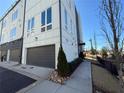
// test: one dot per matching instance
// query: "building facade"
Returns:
(11, 32)
(33, 30)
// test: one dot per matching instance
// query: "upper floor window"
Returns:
(15, 15)
(43, 18)
(46, 19)
(31, 23)
(49, 15)
(66, 18)
(13, 33)
(71, 25)
(3, 23)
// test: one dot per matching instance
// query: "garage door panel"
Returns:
(15, 55)
(3, 53)
(41, 56)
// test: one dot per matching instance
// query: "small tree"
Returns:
(62, 67)
(104, 52)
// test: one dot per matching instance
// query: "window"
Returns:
(71, 25)
(49, 15)
(43, 18)
(31, 23)
(15, 15)
(3, 23)
(46, 20)
(13, 33)
(66, 19)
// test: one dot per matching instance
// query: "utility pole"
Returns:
(91, 44)
(95, 42)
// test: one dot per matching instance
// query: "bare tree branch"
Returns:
(112, 24)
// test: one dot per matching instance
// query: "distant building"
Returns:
(33, 30)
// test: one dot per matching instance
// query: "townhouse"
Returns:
(33, 30)
(11, 32)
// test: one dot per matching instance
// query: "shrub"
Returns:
(62, 67)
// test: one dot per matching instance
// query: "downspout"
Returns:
(60, 19)
(23, 32)
(77, 28)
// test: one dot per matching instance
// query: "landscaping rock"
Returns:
(54, 77)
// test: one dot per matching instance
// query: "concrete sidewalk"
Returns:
(37, 73)
(80, 82)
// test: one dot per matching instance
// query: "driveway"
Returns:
(11, 82)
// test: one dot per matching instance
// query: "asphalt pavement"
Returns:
(11, 82)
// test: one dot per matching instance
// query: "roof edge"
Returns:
(9, 10)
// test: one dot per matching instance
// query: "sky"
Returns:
(89, 12)
(4, 5)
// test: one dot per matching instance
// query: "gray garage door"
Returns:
(41, 56)
(15, 55)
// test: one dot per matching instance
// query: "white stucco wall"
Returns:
(18, 23)
(34, 9)
(69, 35)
